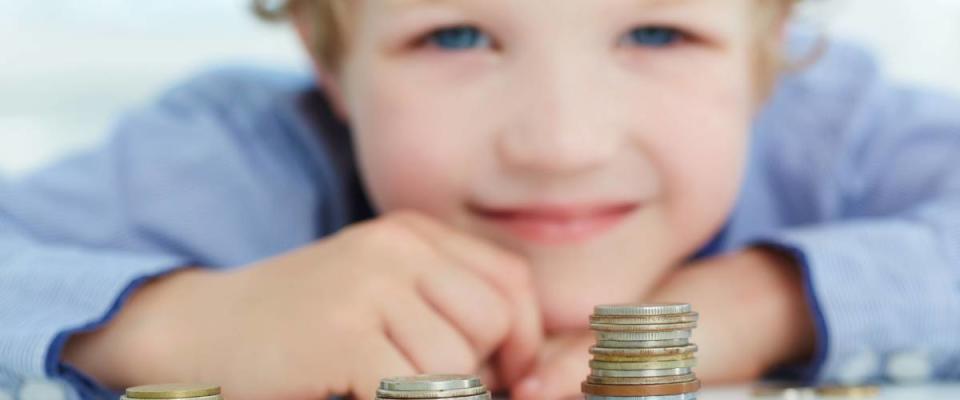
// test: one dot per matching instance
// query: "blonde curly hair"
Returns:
(331, 30)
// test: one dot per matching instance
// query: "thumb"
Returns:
(562, 366)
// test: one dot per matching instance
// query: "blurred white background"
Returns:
(69, 67)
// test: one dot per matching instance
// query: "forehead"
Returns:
(649, 3)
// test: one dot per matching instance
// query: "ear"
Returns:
(330, 81)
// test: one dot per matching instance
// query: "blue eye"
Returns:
(458, 38)
(654, 36)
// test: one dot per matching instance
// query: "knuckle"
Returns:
(498, 324)
(393, 233)
(463, 361)
(375, 286)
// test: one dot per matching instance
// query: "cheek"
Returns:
(409, 154)
(405, 162)
(701, 153)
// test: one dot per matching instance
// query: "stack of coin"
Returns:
(459, 387)
(642, 352)
(177, 391)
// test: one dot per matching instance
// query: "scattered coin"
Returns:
(850, 392)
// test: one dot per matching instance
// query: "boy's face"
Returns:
(602, 139)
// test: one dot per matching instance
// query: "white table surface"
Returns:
(919, 392)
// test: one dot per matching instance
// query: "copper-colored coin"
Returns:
(668, 389)
(645, 319)
(643, 359)
(660, 380)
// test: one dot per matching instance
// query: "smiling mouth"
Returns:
(556, 225)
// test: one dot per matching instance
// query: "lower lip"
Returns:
(559, 231)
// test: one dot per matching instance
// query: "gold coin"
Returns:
(642, 344)
(859, 392)
(643, 359)
(172, 391)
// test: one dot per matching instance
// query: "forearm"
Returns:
(753, 309)
(142, 341)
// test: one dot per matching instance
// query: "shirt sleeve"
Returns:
(882, 256)
(194, 179)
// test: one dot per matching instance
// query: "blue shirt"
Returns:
(859, 178)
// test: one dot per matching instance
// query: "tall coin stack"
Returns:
(459, 387)
(643, 352)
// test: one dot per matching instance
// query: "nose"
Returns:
(562, 123)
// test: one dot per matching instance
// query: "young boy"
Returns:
(523, 161)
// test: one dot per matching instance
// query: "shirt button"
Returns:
(859, 368)
(909, 367)
(42, 389)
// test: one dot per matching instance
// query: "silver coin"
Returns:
(631, 366)
(642, 309)
(784, 393)
(425, 383)
(639, 373)
(652, 380)
(685, 396)
(430, 394)
(643, 352)
(645, 319)
(642, 344)
(638, 336)
(642, 328)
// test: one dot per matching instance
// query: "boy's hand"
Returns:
(397, 296)
(754, 314)
(753, 317)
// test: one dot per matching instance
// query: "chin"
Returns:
(569, 287)
(567, 307)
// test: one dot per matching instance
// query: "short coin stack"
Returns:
(176, 391)
(459, 387)
(643, 352)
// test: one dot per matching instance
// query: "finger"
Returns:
(377, 360)
(428, 340)
(488, 375)
(559, 371)
(477, 309)
(507, 273)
